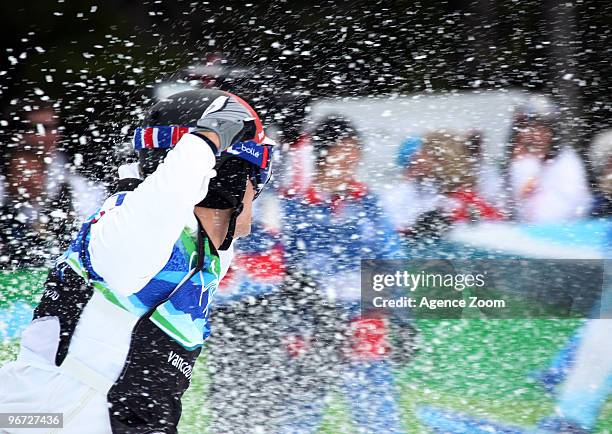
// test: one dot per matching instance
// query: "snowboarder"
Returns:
(125, 310)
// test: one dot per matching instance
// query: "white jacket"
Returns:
(150, 220)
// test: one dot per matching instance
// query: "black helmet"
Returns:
(170, 118)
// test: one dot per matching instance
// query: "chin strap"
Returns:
(229, 196)
(227, 242)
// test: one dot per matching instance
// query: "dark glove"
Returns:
(229, 119)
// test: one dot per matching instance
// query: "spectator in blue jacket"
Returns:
(327, 231)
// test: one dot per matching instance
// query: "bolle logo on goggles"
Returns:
(246, 149)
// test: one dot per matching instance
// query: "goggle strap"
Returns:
(160, 137)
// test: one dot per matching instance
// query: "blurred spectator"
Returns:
(600, 155)
(328, 228)
(547, 181)
(439, 185)
(41, 192)
(447, 162)
(29, 219)
(415, 195)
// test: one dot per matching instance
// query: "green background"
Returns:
(477, 366)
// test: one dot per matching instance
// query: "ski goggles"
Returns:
(167, 136)
(260, 157)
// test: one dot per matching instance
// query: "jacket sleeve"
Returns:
(131, 243)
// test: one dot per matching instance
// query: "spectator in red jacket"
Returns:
(445, 159)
